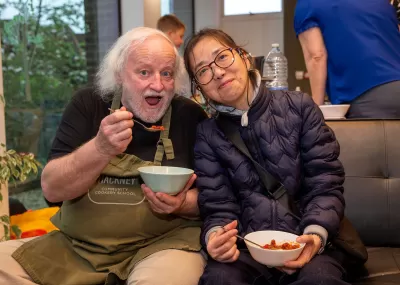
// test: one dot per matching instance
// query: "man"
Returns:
(112, 229)
(173, 28)
(351, 50)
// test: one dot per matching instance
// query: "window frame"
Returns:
(222, 2)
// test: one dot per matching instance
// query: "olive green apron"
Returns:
(104, 233)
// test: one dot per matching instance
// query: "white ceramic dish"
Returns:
(166, 179)
(335, 118)
(334, 112)
(272, 258)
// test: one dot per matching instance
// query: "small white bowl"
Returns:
(269, 257)
(166, 179)
(334, 112)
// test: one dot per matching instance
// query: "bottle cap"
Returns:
(275, 45)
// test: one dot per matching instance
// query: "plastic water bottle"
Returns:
(275, 70)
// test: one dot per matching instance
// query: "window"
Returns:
(50, 49)
(166, 7)
(240, 7)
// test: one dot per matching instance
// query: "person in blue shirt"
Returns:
(352, 51)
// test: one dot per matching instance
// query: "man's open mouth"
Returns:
(153, 100)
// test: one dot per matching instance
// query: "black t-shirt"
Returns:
(83, 115)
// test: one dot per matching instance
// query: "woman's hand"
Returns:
(221, 244)
(313, 245)
(163, 203)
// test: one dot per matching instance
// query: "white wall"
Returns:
(139, 13)
(152, 12)
(207, 14)
(256, 33)
(132, 14)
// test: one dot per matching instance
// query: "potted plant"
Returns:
(14, 167)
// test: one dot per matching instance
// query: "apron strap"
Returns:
(116, 102)
(164, 144)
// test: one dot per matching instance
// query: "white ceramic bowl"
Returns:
(167, 179)
(334, 111)
(269, 257)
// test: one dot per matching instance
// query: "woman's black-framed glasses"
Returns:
(224, 59)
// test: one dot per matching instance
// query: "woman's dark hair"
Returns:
(225, 40)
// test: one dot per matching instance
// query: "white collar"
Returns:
(226, 109)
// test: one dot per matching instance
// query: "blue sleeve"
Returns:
(304, 17)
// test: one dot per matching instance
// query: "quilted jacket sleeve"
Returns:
(322, 198)
(217, 202)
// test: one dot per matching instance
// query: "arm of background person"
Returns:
(397, 8)
(315, 56)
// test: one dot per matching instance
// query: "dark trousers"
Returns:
(323, 269)
(381, 102)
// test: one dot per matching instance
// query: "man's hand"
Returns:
(313, 245)
(163, 203)
(222, 244)
(115, 133)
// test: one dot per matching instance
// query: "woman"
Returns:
(286, 134)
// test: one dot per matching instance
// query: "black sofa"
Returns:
(370, 153)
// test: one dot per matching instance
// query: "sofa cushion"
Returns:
(382, 267)
(370, 153)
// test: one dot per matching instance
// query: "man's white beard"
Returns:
(152, 116)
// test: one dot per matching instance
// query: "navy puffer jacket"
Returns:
(287, 135)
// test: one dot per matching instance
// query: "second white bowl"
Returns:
(166, 179)
(272, 258)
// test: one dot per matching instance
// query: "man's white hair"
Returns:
(108, 80)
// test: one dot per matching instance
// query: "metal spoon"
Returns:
(252, 242)
(144, 127)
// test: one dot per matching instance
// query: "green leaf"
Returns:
(22, 177)
(18, 160)
(38, 164)
(11, 151)
(1, 197)
(5, 173)
(12, 161)
(25, 169)
(6, 233)
(16, 230)
(34, 168)
(14, 171)
(5, 219)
